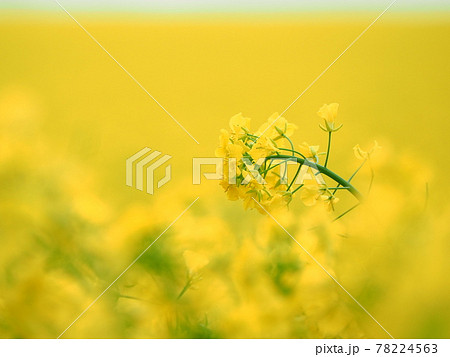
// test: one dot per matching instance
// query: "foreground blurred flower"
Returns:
(194, 261)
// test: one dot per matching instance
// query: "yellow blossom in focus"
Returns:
(263, 147)
(310, 152)
(328, 112)
(249, 199)
(224, 141)
(311, 194)
(329, 200)
(257, 181)
(275, 126)
(239, 124)
(227, 148)
(272, 180)
(233, 191)
(249, 182)
(276, 202)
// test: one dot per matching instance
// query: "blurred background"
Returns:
(70, 117)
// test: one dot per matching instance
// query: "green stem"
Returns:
(265, 168)
(296, 152)
(290, 142)
(328, 149)
(185, 288)
(343, 214)
(298, 188)
(350, 188)
(276, 165)
(295, 177)
(352, 176)
(292, 150)
(359, 168)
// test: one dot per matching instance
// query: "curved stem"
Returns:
(295, 152)
(276, 165)
(353, 175)
(295, 177)
(327, 172)
(290, 142)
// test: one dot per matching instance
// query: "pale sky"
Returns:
(227, 5)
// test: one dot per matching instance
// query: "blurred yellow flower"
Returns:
(364, 155)
(194, 261)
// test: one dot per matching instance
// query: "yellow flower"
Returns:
(249, 199)
(227, 148)
(238, 123)
(265, 190)
(224, 141)
(272, 180)
(276, 202)
(364, 155)
(328, 112)
(232, 190)
(262, 148)
(194, 261)
(310, 152)
(235, 150)
(329, 200)
(275, 126)
(309, 194)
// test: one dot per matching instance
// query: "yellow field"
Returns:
(69, 118)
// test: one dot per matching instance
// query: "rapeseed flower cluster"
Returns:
(256, 163)
(246, 173)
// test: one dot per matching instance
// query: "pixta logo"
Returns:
(146, 168)
(308, 170)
